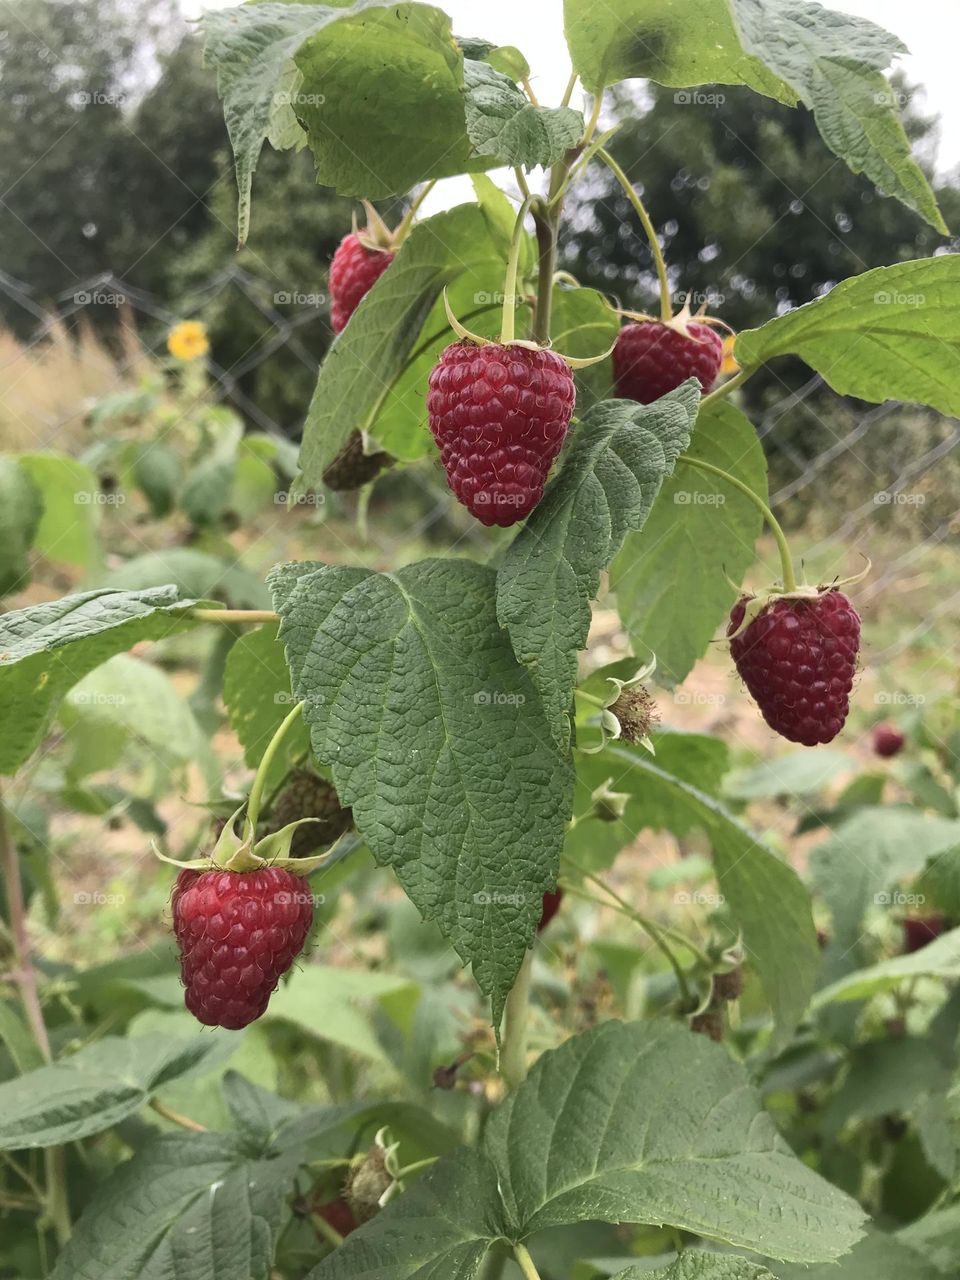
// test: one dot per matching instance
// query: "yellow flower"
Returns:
(729, 364)
(188, 340)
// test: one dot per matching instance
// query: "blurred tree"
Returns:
(70, 76)
(755, 214)
(752, 207)
(276, 302)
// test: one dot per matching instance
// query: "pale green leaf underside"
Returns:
(889, 334)
(438, 741)
(620, 454)
(678, 43)
(629, 1122)
(864, 858)
(781, 945)
(94, 1089)
(504, 124)
(876, 1257)
(671, 579)
(939, 959)
(833, 62)
(367, 359)
(47, 648)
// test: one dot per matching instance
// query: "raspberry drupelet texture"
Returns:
(650, 359)
(353, 270)
(238, 933)
(499, 415)
(798, 658)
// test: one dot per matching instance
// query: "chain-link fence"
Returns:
(874, 471)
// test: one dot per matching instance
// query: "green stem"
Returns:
(330, 1234)
(786, 560)
(53, 1157)
(406, 222)
(675, 935)
(508, 323)
(568, 91)
(525, 1262)
(654, 931)
(725, 388)
(590, 697)
(175, 1117)
(528, 90)
(263, 769)
(521, 178)
(513, 1053)
(410, 1169)
(666, 311)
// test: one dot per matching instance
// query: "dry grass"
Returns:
(47, 386)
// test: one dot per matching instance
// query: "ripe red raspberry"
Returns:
(551, 905)
(651, 359)
(353, 270)
(499, 415)
(920, 931)
(887, 739)
(798, 658)
(238, 932)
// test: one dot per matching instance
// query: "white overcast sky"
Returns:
(929, 28)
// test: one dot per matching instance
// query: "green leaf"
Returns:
(413, 128)
(877, 1257)
(671, 580)
(696, 1265)
(504, 124)
(936, 1236)
(47, 648)
(128, 700)
(630, 1122)
(330, 1004)
(683, 43)
(21, 508)
(833, 62)
(781, 945)
(158, 473)
(186, 1207)
(886, 1077)
(437, 740)
(636, 1122)
(939, 959)
(20, 1044)
(95, 1089)
(256, 692)
(195, 573)
(797, 774)
(889, 334)
(856, 866)
(370, 355)
(366, 145)
(584, 325)
(70, 494)
(614, 468)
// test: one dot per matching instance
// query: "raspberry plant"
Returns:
(440, 707)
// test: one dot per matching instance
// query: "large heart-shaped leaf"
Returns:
(437, 739)
(629, 1122)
